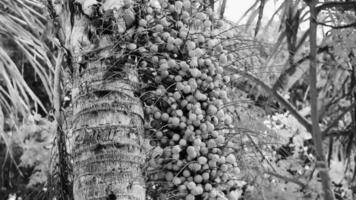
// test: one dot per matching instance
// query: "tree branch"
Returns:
(302, 40)
(65, 188)
(349, 5)
(332, 134)
(338, 27)
(260, 14)
(334, 123)
(291, 70)
(222, 9)
(292, 180)
(279, 98)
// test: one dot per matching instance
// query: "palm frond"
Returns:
(22, 24)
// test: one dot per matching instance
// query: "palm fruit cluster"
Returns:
(181, 57)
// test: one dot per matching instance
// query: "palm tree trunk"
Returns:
(107, 123)
(108, 132)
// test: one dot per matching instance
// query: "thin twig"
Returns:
(288, 179)
(336, 121)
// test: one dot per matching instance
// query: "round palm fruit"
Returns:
(186, 4)
(223, 59)
(177, 181)
(208, 187)
(169, 176)
(165, 117)
(159, 28)
(202, 160)
(186, 173)
(191, 151)
(190, 197)
(159, 134)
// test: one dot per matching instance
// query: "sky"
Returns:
(236, 8)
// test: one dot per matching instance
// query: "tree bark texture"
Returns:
(107, 124)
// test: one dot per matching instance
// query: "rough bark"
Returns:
(108, 136)
(107, 124)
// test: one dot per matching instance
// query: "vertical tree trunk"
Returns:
(108, 136)
(107, 121)
(317, 137)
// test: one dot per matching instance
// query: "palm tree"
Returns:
(107, 121)
(108, 116)
(93, 39)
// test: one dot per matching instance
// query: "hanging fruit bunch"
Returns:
(179, 52)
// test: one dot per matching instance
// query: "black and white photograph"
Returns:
(177, 99)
